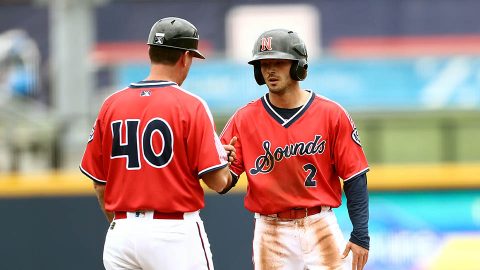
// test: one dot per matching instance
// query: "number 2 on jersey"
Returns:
(312, 171)
(130, 148)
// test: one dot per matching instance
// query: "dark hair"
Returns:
(164, 55)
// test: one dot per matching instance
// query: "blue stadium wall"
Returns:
(409, 230)
(58, 233)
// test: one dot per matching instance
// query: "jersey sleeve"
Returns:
(349, 157)
(92, 161)
(205, 151)
(230, 130)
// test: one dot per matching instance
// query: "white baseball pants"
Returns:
(311, 243)
(141, 242)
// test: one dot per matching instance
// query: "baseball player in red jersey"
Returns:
(293, 146)
(150, 145)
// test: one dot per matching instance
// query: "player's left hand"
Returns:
(230, 148)
(360, 255)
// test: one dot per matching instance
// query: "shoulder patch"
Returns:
(356, 137)
(92, 132)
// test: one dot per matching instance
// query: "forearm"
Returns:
(108, 215)
(100, 192)
(357, 205)
(231, 153)
(217, 180)
(231, 184)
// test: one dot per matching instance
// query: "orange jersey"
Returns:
(294, 162)
(150, 144)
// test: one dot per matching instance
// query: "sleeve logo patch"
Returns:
(356, 137)
(92, 132)
(146, 93)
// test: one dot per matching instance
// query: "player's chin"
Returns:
(272, 84)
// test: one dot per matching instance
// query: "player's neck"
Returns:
(289, 99)
(164, 73)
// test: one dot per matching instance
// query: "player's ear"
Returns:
(186, 58)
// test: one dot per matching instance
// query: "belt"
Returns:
(156, 215)
(296, 213)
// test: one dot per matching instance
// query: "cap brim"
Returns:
(271, 55)
(197, 54)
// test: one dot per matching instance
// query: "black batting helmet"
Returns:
(280, 44)
(175, 33)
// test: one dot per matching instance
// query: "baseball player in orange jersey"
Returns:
(150, 145)
(293, 146)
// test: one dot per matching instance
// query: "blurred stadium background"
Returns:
(407, 70)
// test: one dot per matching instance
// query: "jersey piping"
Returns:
(234, 173)
(286, 122)
(343, 109)
(213, 168)
(204, 103)
(91, 176)
(218, 144)
(159, 83)
(358, 173)
(151, 84)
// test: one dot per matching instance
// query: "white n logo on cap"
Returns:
(266, 44)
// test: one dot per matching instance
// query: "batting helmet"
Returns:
(175, 33)
(280, 44)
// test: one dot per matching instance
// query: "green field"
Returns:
(407, 137)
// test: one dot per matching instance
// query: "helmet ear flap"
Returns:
(258, 74)
(298, 71)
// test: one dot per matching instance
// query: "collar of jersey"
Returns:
(151, 84)
(287, 122)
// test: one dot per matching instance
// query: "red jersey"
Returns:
(150, 144)
(294, 162)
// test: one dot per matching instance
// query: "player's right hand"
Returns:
(360, 255)
(230, 149)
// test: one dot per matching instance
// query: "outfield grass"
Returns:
(406, 137)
